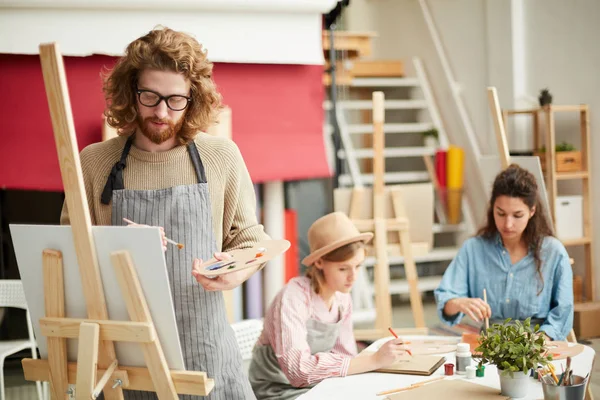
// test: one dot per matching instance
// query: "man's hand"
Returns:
(222, 282)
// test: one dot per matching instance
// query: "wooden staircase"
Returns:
(410, 110)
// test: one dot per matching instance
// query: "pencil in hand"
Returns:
(396, 336)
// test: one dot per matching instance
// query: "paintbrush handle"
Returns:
(413, 386)
(437, 378)
(171, 241)
(179, 245)
(487, 320)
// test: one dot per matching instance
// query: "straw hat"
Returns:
(332, 232)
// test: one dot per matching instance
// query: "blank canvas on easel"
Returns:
(29, 242)
(418, 205)
(490, 167)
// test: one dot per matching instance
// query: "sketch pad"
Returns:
(455, 389)
(258, 254)
(149, 261)
(414, 365)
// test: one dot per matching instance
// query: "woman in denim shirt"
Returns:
(515, 257)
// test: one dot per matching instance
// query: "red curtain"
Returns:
(277, 118)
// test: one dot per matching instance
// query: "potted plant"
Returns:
(545, 98)
(514, 347)
(567, 159)
(431, 138)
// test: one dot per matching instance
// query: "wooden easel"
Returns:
(96, 355)
(381, 225)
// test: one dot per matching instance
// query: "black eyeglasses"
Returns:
(175, 102)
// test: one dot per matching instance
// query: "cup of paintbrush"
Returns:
(574, 391)
(179, 245)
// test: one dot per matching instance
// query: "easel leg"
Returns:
(139, 312)
(383, 301)
(87, 360)
(410, 270)
(54, 296)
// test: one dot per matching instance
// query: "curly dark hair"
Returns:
(166, 50)
(517, 182)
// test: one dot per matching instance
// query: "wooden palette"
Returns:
(561, 350)
(241, 259)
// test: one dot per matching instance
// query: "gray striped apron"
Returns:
(207, 341)
(266, 377)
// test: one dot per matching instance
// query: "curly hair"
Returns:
(166, 50)
(517, 182)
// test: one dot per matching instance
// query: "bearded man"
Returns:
(163, 170)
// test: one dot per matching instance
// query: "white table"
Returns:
(365, 386)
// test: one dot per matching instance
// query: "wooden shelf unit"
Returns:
(545, 116)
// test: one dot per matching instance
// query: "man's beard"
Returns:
(159, 136)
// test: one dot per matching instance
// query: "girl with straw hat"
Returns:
(308, 334)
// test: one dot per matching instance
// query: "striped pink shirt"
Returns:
(285, 332)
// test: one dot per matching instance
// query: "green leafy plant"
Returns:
(433, 132)
(545, 97)
(563, 146)
(512, 347)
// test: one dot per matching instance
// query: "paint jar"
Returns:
(463, 358)
(449, 369)
(480, 371)
(471, 370)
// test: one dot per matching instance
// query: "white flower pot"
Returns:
(431, 142)
(515, 386)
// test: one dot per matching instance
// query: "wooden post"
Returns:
(54, 303)
(383, 302)
(499, 127)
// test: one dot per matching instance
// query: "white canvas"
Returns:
(144, 245)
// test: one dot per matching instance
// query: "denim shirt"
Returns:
(512, 290)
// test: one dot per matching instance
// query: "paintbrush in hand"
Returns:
(179, 245)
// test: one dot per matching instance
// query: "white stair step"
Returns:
(425, 283)
(368, 104)
(407, 127)
(448, 228)
(390, 152)
(385, 82)
(389, 177)
(436, 254)
(412, 127)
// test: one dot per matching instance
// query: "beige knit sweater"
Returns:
(231, 191)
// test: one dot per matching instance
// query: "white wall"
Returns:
(518, 46)
(563, 54)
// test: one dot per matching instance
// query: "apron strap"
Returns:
(197, 161)
(115, 179)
